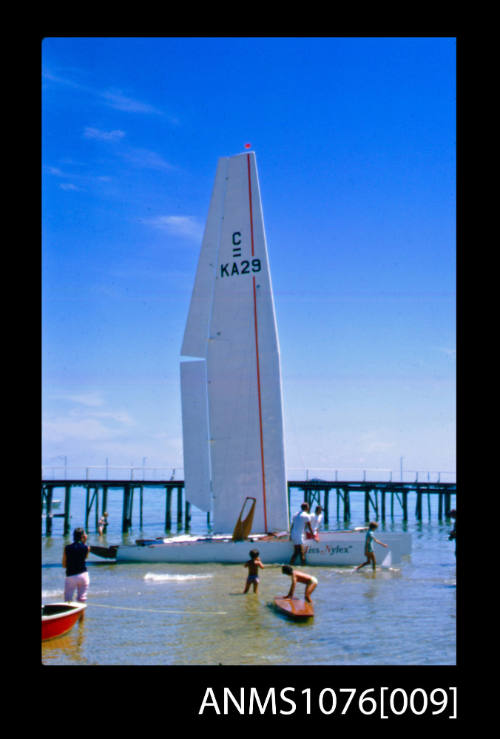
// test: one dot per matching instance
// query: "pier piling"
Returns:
(179, 507)
(67, 507)
(104, 499)
(48, 511)
(168, 514)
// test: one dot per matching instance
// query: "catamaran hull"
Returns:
(333, 549)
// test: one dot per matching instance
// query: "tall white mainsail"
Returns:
(231, 396)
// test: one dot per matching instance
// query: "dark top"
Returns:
(76, 554)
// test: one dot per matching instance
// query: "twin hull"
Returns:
(337, 549)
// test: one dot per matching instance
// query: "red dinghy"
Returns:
(59, 618)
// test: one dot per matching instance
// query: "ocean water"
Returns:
(173, 614)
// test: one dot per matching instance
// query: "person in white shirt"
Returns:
(316, 520)
(300, 523)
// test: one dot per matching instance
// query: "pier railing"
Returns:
(137, 473)
(115, 472)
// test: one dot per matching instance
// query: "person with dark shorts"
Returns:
(301, 523)
(253, 565)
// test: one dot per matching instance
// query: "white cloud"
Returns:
(121, 418)
(147, 159)
(136, 156)
(113, 98)
(86, 430)
(184, 226)
(375, 444)
(450, 352)
(85, 419)
(91, 399)
(96, 133)
(67, 429)
(87, 180)
(121, 102)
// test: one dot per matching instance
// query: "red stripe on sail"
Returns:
(257, 350)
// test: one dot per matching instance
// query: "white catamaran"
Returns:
(231, 394)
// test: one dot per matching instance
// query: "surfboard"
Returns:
(294, 607)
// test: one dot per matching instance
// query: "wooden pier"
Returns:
(376, 495)
(380, 499)
(96, 499)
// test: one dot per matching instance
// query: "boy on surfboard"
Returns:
(308, 580)
(253, 565)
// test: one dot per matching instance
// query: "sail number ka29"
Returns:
(244, 267)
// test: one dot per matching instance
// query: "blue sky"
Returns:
(355, 145)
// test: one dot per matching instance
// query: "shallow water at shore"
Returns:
(166, 614)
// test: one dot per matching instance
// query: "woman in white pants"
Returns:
(77, 577)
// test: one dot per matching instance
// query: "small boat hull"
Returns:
(59, 618)
(333, 549)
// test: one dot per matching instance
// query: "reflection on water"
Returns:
(70, 645)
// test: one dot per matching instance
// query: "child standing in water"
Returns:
(253, 565)
(369, 553)
(103, 524)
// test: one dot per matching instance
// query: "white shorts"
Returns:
(80, 583)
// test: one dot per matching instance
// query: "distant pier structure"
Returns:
(381, 499)
(96, 501)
